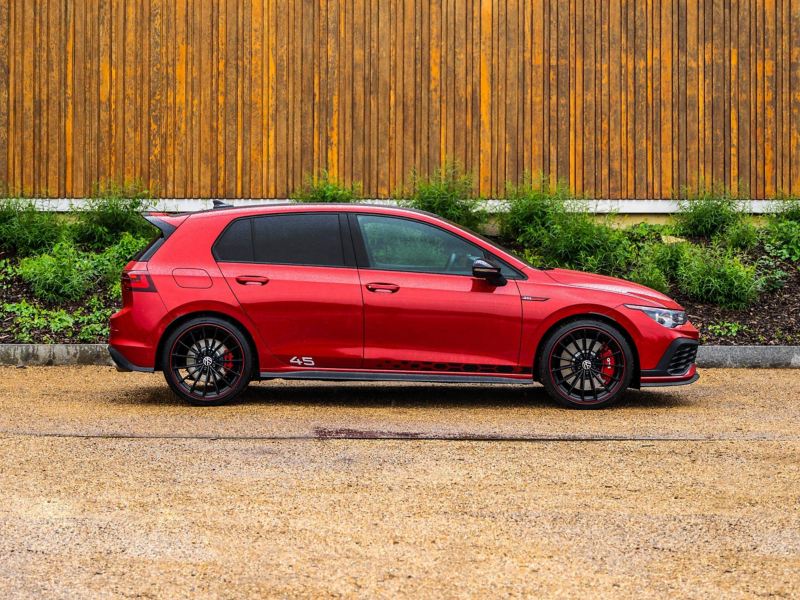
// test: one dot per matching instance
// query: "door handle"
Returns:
(252, 280)
(383, 288)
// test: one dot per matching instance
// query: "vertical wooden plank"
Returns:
(485, 176)
(639, 127)
(743, 97)
(156, 98)
(733, 92)
(458, 112)
(589, 71)
(794, 140)
(655, 102)
(562, 45)
(610, 99)
(691, 92)
(578, 93)
(682, 118)
(717, 91)
(382, 100)
(5, 84)
(770, 133)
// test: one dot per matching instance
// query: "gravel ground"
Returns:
(110, 487)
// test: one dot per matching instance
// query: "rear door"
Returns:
(294, 274)
(423, 309)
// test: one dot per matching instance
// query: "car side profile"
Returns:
(356, 292)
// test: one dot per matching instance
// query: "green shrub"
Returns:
(726, 328)
(449, 194)
(108, 264)
(533, 208)
(648, 274)
(578, 241)
(741, 235)
(782, 239)
(769, 274)
(788, 209)
(24, 230)
(63, 274)
(34, 322)
(647, 233)
(707, 212)
(712, 275)
(322, 188)
(668, 257)
(114, 210)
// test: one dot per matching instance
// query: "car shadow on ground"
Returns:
(398, 395)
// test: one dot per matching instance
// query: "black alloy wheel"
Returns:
(586, 364)
(207, 361)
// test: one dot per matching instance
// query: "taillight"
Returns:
(133, 281)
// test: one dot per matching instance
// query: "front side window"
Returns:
(396, 244)
(287, 239)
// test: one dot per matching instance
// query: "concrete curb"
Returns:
(745, 357)
(749, 357)
(54, 354)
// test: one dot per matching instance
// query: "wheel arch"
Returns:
(184, 318)
(603, 318)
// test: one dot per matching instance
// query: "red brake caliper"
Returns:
(228, 357)
(607, 370)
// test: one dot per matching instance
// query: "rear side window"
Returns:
(236, 242)
(290, 239)
(298, 239)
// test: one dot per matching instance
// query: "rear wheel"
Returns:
(586, 364)
(207, 361)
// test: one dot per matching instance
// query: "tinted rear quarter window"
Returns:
(236, 243)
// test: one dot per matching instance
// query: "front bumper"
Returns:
(676, 367)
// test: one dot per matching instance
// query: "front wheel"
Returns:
(207, 361)
(586, 364)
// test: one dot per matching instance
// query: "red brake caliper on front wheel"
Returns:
(607, 370)
(228, 357)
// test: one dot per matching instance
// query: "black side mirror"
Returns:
(483, 269)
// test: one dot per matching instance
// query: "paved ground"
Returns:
(110, 487)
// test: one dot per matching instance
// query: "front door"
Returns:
(423, 309)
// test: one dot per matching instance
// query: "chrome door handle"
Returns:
(383, 288)
(252, 280)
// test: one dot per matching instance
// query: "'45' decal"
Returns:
(302, 361)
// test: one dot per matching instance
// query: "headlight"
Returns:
(662, 316)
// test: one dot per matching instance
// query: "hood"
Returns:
(603, 283)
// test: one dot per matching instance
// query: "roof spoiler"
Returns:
(162, 222)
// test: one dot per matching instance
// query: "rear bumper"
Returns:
(676, 367)
(123, 364)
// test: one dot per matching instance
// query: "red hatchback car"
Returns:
(355, 292)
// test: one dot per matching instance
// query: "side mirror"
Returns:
(483, 269)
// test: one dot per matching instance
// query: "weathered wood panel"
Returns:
(245, 98)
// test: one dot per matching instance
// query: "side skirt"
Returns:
(411, 377)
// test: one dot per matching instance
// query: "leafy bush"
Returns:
(90, 323)
(770, 275)
(24, 230)
(449, 194)
(114, 210)
(707, 212)
(782, 239)
(788, 210)
(578, 241)
(647, 273)
(711, 275)
(322, 188)
(726, 328)
(668, 257)
(63, 274)
(108, 264)
(533, 208)
(741, 235)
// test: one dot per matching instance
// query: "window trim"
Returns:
(362, 257)
(345, 236)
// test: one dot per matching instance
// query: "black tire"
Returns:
(585, 364)
(207, 361)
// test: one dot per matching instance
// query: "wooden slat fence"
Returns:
(244, 98)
